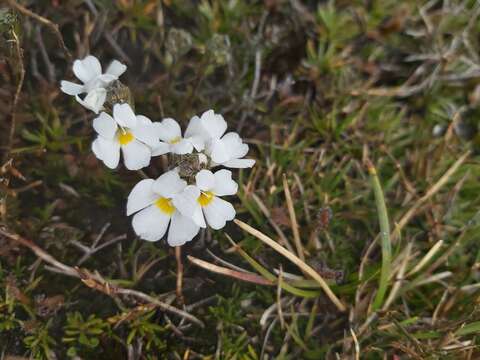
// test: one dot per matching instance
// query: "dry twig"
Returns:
(44, 21)
(96, 281)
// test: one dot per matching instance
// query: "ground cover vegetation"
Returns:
(356, 232)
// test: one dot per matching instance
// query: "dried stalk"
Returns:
(96, 281)
(44, 21)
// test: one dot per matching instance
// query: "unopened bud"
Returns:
(118, 93)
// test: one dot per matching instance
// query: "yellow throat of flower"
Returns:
(165, 205)
(125, 137)
(175, 140)
(205, 198)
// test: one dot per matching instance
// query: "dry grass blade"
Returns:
(271, 277)
(430, 254)
(432, 191)
(399, 279)
(253, 278)
(294, 259)
(293, 219)
(357, 346)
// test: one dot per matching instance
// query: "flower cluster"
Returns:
(179, 201)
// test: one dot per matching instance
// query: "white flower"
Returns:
(229, 151)
(201, 130)
(94, 100)
(153, 202)
(206, 133)
(89, 72)
(208, 205)
(134, 135)
(172, 140)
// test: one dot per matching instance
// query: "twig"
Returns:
(96, 281)
(109, 37)
(46, 60)
(16, 97)
(253, 91)
(44, 21)
(90, 251)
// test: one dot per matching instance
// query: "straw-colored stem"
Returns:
(294, 259)
(178, 257)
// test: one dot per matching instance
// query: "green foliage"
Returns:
(316, 88)
(145, 328)
(40, 343)
(83, 333)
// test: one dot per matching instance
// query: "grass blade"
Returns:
(248, 277)
(309, 294)
(384, 236)
(294, 259)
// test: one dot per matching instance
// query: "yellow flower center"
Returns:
(165, 205)
(205, 198)
(175, 140)
(125, 137)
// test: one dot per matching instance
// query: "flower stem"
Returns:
(178, 257)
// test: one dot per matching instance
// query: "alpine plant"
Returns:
(189, 196)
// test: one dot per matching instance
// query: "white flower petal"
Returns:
(218, 212)
(239, 163)
(141, 196)
(124, 116)
(94, 100)
(198, 217)
(116, 68)
(234, 143)
(71, 88)
(219, 152)
(201, 131)
(136, 155)
(160, 149)
(169, 184)
(214, 124)
(186, 200)
(182, 229)
(87, 69)
(182, 147)
(205, 180)
(143, 120)
(170, 130)
(194, 127)
(195, 133)
(103, 80)
(105, 125)
(146, 134)
(197, 141)
(224, 185)
(107, 150)
(150, 223)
